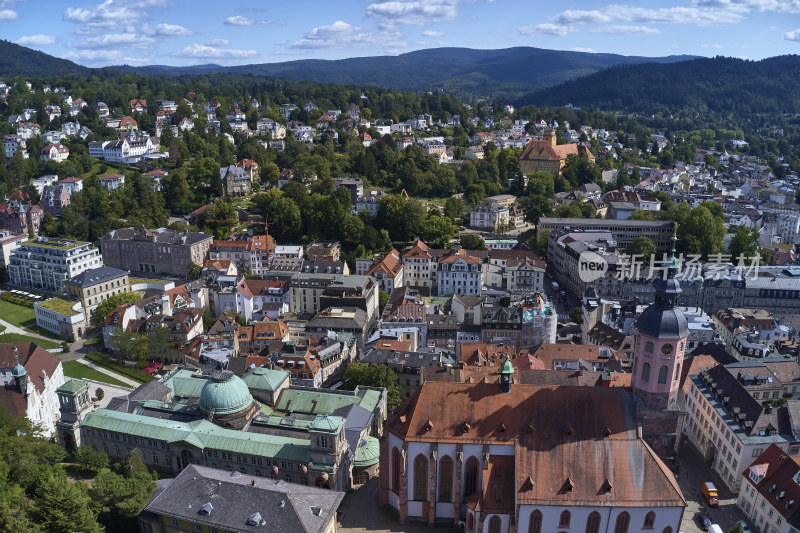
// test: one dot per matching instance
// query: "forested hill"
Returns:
(506, 73)
(719, 84)
(16, 60)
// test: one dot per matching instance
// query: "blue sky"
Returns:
(183, 32)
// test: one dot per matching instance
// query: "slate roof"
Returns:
(88, 278)
(236, 498)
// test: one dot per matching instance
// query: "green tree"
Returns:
(89, 460)
(159, 344)
(383, 299)
(194, 271)
(114, 301)
(119, 499)
(219, 219)
(472, 242)
(131, 346)
(642, 246)
(61, 506)
(641, 214)
(438, 231)
(374, 375)
(744, 244)
(702, 232)
(576, 316)
(402, 218)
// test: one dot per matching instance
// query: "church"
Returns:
(503, 457)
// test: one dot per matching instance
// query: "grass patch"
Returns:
(77, 370)
(101, 359)
(16, 337)
(41, 331)
(16, 314)
(94, 341)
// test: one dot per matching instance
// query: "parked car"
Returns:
(703, 521)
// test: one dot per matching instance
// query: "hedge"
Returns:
(10, 298)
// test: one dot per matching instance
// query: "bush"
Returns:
(65, 346)
(10, 298)
(99, 393)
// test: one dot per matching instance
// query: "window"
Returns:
(646, 372)
(198, 528)
(648, 347)
(623, 520)
(174, 522)
(649, 520)
(677, 373)
(535, 524)
(420, 478)
(470, 477)
(667, 529)
(564, 520)
(446, 479)
(662, 374)
(593, 523)
(397, 460)
(470, 522)
(495, 523)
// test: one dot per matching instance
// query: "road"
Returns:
(692, 474)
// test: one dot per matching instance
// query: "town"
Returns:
(296, 313)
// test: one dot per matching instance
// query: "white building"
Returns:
(14, 143)
(459, 273)
(770, 492)
(46, 263)
(55, 152)
(112, 181)
(30, 376)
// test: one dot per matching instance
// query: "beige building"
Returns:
(63, 317)
(155, 251)
(92, 287)
(9, 241)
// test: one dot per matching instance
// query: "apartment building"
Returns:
(154, 251)
(459, 272)
(47, 263)
(770, 492)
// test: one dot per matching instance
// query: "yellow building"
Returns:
(546, 156)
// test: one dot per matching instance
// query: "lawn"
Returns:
(16, 314)
(130, 372)
(74, 369)
(16, 337)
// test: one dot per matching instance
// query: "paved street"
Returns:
(692, 474)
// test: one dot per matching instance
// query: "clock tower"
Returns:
(660, 344)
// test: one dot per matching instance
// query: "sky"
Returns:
(231, 32)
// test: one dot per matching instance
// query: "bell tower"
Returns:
(660, 343)
(74, 404)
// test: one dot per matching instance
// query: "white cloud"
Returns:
(36, 40)
(546, 28)
(8, 14)
(204, 51)
(95, 55)
(238, 20)
(218, 42)
(172, 30)
(394, 12)
(431, 33)
(623, 29)
(792, 35)
(113, 40)
(666, 15)
(715, 46)
(337, 35)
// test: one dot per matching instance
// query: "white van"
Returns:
(715, 529)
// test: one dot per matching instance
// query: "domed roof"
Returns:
(225, 393)
(663, 322)
(18, 370)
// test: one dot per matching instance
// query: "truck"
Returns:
(710, 492)
(555, 286)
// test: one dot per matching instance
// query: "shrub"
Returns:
(99, 393)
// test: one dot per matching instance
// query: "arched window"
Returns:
(535, 524)
(397, 461)
(470, 522)
(494, 524)
(667, 529)
(421, 478)
(593, 523)
(623, 520)
(662, 374)
(649, 520)
(470, 477)
(564, 520)
(646, 372)
(677, 372)
(648, 347)
(446, 479)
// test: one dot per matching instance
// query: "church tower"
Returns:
(660, 343)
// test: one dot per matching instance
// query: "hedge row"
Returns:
(10, 298)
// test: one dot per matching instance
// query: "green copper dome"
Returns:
(225, 394)
(507, 367)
